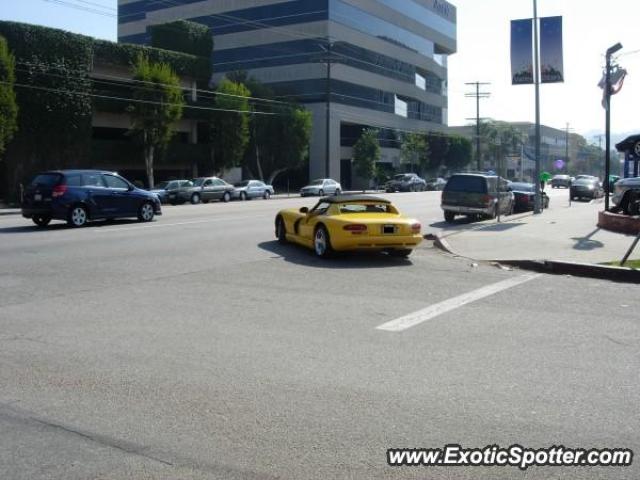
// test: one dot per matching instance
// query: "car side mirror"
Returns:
(130, 188)
(304, 210)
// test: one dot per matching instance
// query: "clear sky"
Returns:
(590, 27)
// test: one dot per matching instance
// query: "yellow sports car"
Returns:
(353, 222)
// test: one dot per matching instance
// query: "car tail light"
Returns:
(416, 227)
(525, 199)
(487, 200)
(355, 228)
(58, 191)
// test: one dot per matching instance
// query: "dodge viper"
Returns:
(354, 222)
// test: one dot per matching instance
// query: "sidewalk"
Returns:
(562, 233)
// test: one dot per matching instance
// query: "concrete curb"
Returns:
(554, 267)
(9, 211)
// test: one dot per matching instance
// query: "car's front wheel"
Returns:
(41, 220)
(195, 199)
(281, 230)
(267, 195)
(78, 216)
(146, 212)
(243, 196)
(322, 242)
(226, 197)
(321, 193)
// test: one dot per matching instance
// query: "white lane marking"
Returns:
(164, 225)
(416, 318)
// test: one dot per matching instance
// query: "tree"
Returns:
(157, 107)
(459, 153)
(8, 105)
(229, 125)
(438, 149)
(366, 152)
(415, 151)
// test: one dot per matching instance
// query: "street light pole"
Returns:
(536, 79)
(607, 96)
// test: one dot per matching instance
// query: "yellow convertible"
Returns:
(353, 222)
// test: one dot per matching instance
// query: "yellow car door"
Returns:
(308, 223)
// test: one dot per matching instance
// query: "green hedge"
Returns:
(127, 54)
(183, 36)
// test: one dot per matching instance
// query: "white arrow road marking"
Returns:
(421, 316)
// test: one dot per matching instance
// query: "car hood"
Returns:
(635, 181)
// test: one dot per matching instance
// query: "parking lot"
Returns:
(196, 346)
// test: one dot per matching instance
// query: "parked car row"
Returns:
(206, 189)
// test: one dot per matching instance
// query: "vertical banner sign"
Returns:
(522, 52)
(551, 57)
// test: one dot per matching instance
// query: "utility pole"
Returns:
(566, 155)
(329, 60)
(478, 95)
(607, 93)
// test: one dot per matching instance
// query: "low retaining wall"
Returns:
(616, 222)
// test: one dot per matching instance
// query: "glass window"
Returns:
(218, 183)
(317, 182)
(208, 183)
(186, 183)
(46, 179)
(198, 182)
(74, 180)
(364, 208)
(423, 15)
(115, 182)
(467, 183)
(92, 180)
(162, 186)
(522, 187)
(421, 82)
(401, 107)
(320, 208)
(355, 18)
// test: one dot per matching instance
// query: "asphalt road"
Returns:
(198, 347)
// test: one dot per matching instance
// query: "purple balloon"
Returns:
(559, 164)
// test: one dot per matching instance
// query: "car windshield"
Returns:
(585, 181)
(162, 186)
(522, 187)
(241, 184)
(402, 177)
(359, 207)
(467, 183)
(197, 182)
(316, 182)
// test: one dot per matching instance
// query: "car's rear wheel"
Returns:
(338, 191)
(321, 193)
(281, 230)
(322, 242)
(41, 220)
(267, 195)
(226, 197)
(195, 199)
(146, 212)
(402, 253)
(243, 196)
(449, 217)
(78, 216)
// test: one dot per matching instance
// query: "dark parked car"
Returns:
(165, 190)
(248, 189)
(586, 187)
(436, 184)
(204, 190)
(524, 197)
(78, 196)
(561, 181)
(476, 195)
(406, 182)
(626, 195)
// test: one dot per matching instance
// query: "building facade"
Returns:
(353, 63)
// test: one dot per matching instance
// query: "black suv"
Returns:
(78, 196)
(476, 195)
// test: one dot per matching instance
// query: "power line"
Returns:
(133, 100)
(82, 8)
(131, 80)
